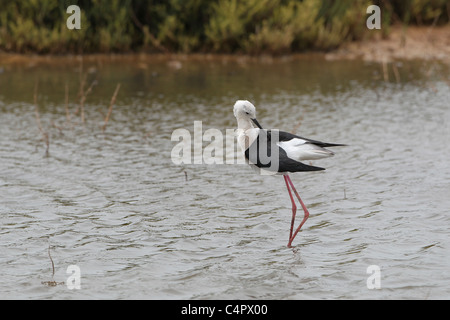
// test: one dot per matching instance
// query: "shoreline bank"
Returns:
(410, 43)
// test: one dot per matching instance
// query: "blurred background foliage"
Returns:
(217, 26)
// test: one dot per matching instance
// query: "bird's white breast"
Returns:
(246, 137)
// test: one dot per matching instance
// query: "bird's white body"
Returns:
(300, 150)
(297, 149)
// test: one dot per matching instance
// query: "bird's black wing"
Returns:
(260, 154)
(286, 136)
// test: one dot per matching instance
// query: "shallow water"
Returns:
(138, 226)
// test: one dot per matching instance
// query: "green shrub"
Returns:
(223, 26)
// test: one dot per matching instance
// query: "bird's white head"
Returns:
(245, 113)
(244, 109)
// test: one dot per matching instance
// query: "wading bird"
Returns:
(278, 152)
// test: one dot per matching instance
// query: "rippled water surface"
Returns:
(138, 226)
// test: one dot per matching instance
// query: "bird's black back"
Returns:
(265, 153)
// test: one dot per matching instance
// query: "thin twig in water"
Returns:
(385, 70)
(67, 103)
(113, 100)
(51, 283)
(53, 265)
(396, 73)
(83, 99)
(81, 91)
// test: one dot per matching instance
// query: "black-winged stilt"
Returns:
(278, 152)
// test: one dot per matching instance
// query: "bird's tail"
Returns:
(326, 144)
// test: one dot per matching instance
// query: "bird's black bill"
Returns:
(257, 123)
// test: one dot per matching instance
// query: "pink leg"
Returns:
(294, 208)
(305, 210)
